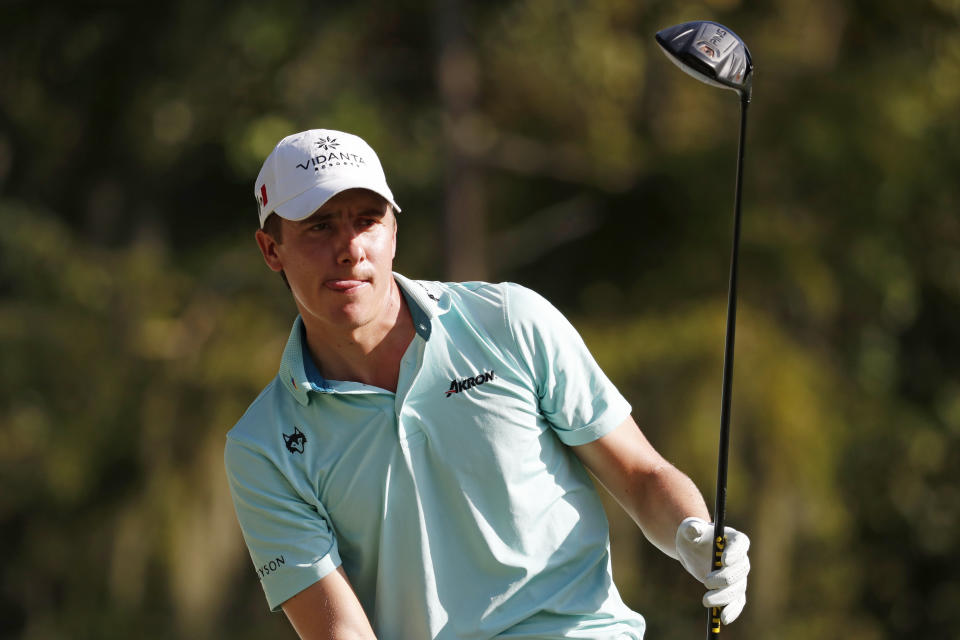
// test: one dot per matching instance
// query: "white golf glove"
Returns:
(728, 585)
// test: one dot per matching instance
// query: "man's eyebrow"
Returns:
(319, 216)
(372, 211)
(324, 216)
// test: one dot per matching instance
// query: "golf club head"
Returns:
(710, 53)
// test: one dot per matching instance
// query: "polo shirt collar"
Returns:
(426, 301)
(298, 373)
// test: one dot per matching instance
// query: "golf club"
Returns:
(715, 55)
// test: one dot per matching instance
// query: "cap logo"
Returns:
(327, 143)
(263, 195)
(331, 158)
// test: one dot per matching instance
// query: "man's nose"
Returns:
(349, 247)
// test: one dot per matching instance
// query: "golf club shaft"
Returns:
(719, 541)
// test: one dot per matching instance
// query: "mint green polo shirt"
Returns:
(455, 505)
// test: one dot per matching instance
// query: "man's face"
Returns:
(339, 261)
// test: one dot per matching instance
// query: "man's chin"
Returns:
(344, 312)
(349, 316)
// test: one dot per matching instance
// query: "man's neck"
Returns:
(370, 354)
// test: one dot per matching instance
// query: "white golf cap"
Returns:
(308, 168)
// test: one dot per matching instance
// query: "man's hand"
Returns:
(727, 585)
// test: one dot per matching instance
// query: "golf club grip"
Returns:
(719, 542)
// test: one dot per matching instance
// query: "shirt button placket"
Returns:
(409, 369)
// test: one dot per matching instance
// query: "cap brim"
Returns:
(306, 204)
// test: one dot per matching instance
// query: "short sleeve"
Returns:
(290, 541)
(575, 395)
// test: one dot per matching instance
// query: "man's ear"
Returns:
(269, 249)
(395, 225)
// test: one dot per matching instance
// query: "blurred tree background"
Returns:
(546, 142)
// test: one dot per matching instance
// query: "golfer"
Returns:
(418, 467)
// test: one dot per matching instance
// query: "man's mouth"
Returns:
(346, 286)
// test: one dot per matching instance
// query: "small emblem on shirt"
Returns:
(458, 386)
(295, 441)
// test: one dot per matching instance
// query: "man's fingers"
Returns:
(737, 545)
(732, 611)
(728, 575)
(728, 585)
(726, 595)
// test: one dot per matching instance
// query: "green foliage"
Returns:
(121, 375)
(137, 322)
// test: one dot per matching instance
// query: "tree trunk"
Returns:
(464, 220)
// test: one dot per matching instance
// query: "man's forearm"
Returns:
(657, 495)
(328, 610)
(666, 496)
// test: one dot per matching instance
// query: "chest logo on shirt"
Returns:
(459, 386)
(295, 441)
